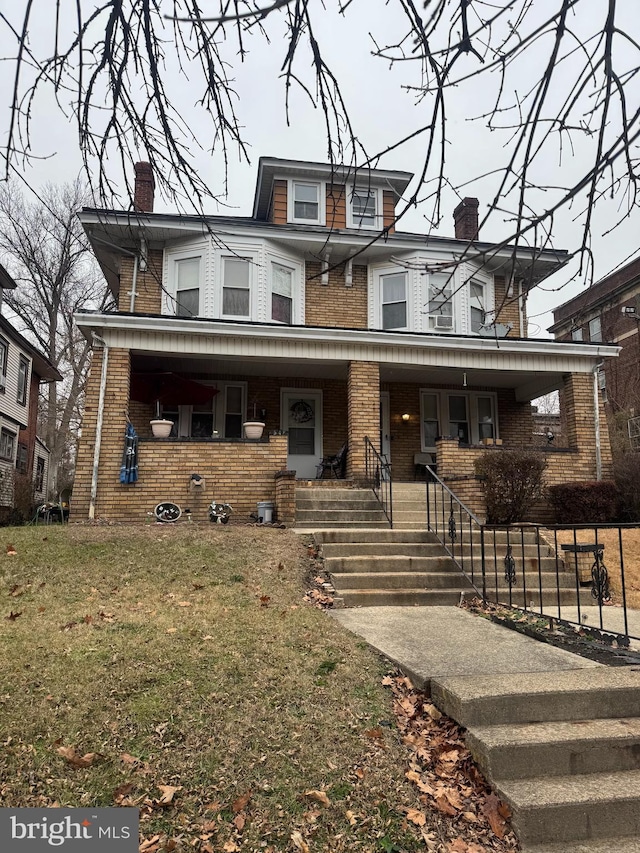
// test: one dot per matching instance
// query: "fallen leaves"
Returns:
(73, 757)
(318, 797)
(11, 551)
(13, 616)
(299, 841)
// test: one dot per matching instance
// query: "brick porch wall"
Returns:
(364, 413)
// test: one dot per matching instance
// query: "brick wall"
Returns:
(334, 304)
(515, 420)
(148, 284)
(507, 306)
(364, 413)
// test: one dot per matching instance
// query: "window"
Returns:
(364, 207)
(458, 418)
(281, 293)
(39, 479)
(595, 329)
(4, 353)
(394, 300)
(233, 411)
(441, 302)
(21, 459)
(7, 444)
(23, 381)
(305, 203)
(486, 425)
(476, 305)
(187, 272)
(577, 334)
(236, 293)
(430, 420)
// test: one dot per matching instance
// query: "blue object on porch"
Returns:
(129, 467)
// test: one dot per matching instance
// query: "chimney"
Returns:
(143, 189)
(465, 217)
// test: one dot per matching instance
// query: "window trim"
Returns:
(38, 479)
(379, 213)
(592, 322)
(442, 396)
(322, 202)
(274, 262)
(22, 395)
(406, 300)
(252, 262)
(172, 257)
(13, 437)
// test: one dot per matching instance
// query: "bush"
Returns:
(512, 482)
(585, 503)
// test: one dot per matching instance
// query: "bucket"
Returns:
(265, 512)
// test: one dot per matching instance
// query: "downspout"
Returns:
(98, 441)
(133, 292)
(596, 418)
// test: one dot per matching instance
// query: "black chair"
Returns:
(335, 464)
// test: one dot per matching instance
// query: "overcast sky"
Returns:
(381, 108)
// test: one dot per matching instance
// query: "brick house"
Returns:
(317, 316)
(22, 369)
(609, 310)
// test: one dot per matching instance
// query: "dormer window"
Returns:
(364, 207)
(305, 203)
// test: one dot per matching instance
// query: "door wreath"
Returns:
(301, 412)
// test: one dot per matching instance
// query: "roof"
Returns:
(270, 168)
(6, 282)
(612, 285)
(41, 364)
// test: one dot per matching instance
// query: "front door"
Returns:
(301, 417)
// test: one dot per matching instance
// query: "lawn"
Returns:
(180, 670)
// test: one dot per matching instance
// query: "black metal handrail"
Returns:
(378, 476)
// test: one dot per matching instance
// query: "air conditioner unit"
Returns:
(443, 321)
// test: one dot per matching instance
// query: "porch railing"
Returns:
(578, 574)
(378, 477)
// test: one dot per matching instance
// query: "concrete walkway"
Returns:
(436, 642)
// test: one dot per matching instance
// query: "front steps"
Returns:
(562, 749)
(390, 567)
(321, 507)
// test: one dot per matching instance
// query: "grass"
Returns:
(185, 656)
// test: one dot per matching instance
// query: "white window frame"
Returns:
(251, 259)
(485, 307)
(434, 324)
(275, 262)
(595, 323)
(352, 221)
(577, 334)
(174, 256)
(444, 416)
(220, 408)
(407, 301)
(322, 202)
(22, 388)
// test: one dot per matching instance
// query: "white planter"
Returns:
(161, 428)
(253, 429)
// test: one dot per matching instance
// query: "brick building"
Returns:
(318, 318)
(609, 310)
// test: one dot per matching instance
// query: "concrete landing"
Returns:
(437, 642)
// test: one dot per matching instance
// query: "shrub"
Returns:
(512, 481)
(585, 502)
(626, 472)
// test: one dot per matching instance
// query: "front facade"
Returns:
(22, 455)
(609, 311)
(320, 319)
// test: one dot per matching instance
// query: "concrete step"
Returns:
(389, 564)
(398, 580)
(399, 597)
(381, 549)
(323, 505)
(377, 536)
(572, 808)
(304, 516)
(316, 527)
(589, 694)
(530, 598)
(334, 494)
(561, 748)
(630, 844)
(409, 515)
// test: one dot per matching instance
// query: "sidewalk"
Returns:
(435, 642)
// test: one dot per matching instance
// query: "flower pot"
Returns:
(253, 429)
(161, 428)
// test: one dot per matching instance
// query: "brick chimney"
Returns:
(143, 189)
(465, 217)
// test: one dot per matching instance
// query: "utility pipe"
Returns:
(521, 305)
(133, 291)
(596, 419)
(98, 441)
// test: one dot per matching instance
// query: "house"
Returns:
(22, 453)
(609, 310)
(320, 318)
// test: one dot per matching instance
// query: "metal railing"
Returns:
(378, 477)
(556, 571)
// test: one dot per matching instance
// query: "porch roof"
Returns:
(531, 367)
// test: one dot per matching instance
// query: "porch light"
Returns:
(406, 417)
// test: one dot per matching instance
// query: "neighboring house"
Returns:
(305, 316)
(609, 310)
(22, 369)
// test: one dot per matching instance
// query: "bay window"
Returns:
(236, 283)
(187, 272)
(394, 300)
(441, 302)
(281, 293)
(477, 304)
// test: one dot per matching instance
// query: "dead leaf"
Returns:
(443, 805)
(458, 846)
(75, 759)
(128, 759)
(241, 802)
(239, 822)
(318, 796)
(13, 616)
(121, 791)
(184, 604)
(416, 816)
(360, 772)
(168, 792)
(150, 845)
(230, 847)
(350, 816)
(494, 811)
(299, 841)
(432, 711)
(17, 590)
(171, 630)
(374, 734)
(264, 600)
(11, 551)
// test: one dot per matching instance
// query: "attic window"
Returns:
(305, 203)
(364, 208)
(595, 329)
